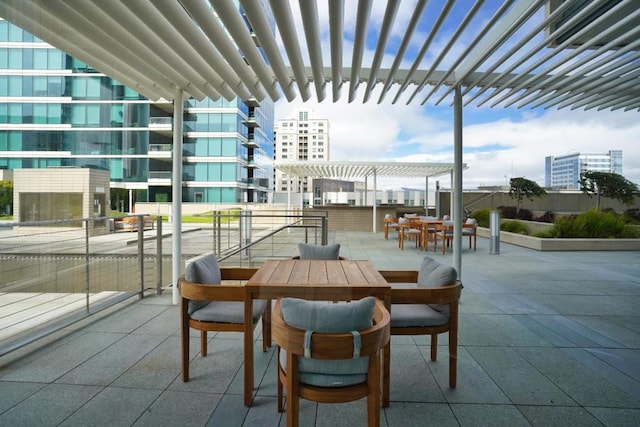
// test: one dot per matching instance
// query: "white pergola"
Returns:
(521, 53)
(366, 170)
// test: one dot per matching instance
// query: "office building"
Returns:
(304, 137)
(563, 172)
(56, 111)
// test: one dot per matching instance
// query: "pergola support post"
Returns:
(176, 195)
(457, 181)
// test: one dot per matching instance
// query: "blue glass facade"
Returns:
(57, 111)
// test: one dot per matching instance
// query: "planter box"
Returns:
(540, 244)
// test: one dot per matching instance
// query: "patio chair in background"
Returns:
(469, 228)
(207, 306)
(319, 252)
(330, 353)
(390, 223)
(408, 229)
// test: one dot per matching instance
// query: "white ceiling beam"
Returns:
(173, 40)
(413, 23)
(387, 24)
(446, 9)
(470, 47)
(512, 21)
(227, 10)
(211, 26)
(336, 34)
(286, 27)
(309, 13)
(362, 22)
(210, 58)
(510, 54)
(545, 59)
(447, 48)
(116, 25)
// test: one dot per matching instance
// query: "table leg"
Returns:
(248, 349)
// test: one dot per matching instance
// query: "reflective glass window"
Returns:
(229, 147)
(15, 59)
(228, 172)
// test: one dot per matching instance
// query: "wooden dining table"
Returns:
(335, 280)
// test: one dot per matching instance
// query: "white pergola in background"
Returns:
(523, 53)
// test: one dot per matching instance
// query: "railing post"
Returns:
(141, 252)
(159, 260)
(325, 229)
(86, 263)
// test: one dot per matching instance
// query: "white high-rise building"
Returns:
(301, 138)
(563, 172)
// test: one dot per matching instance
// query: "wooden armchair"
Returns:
(431, 308)
(208, 305)
(390, 223)
(319, 358)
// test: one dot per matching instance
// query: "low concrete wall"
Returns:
(540, 244)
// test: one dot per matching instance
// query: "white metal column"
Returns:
(176, 194)
(426, 196)
(456, 193)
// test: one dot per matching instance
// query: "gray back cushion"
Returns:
(204, 270)
(432, 274)
(328, 317)
(320, 252)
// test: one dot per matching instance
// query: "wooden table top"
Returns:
(316, 273)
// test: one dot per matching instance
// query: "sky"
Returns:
(498, 143)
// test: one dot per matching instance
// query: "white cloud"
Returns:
(499, 143)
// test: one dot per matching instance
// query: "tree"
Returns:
(608, 184)
(521, 188)
(6, 196)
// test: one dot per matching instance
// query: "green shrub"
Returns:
(593, 224)
(514, 227)
(482, 217)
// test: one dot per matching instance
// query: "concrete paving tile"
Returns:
(619, 329)
(510, 371)
(113, 406)
(213, 373)
(51, 405)
(576, 379)
(230, 412)
(473, 384)
(560, 416)
(411, 378)
(576, 333)
(106, 366)
(12, 393)
(156, 370)
(625, 360)
(614, 417)
(488, 415)
(497, 330)
(403, 414)
(177, 408)
(48, 366)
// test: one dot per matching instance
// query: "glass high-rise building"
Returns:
(56, 111)
(563, 172)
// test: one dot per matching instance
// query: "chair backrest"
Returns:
(204, 270)
(319, 252)
(333, 340)
(433, 274)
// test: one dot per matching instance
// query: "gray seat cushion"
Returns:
(228, 311)
(323, 316)
(404, 315)
(320, 252)
(204, 270)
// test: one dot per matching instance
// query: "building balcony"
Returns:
(160, 151)
(251, 122)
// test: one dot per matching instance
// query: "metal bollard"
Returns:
(494, 232)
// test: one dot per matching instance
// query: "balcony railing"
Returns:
(55, 273)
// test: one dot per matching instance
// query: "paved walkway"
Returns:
(545, 339)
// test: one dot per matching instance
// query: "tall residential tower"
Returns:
(301, 138)
(56, 111)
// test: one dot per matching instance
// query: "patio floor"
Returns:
(546, 338)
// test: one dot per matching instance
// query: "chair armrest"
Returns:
(400, 276)
(439, 295)
(200, 292)
(237, 273)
